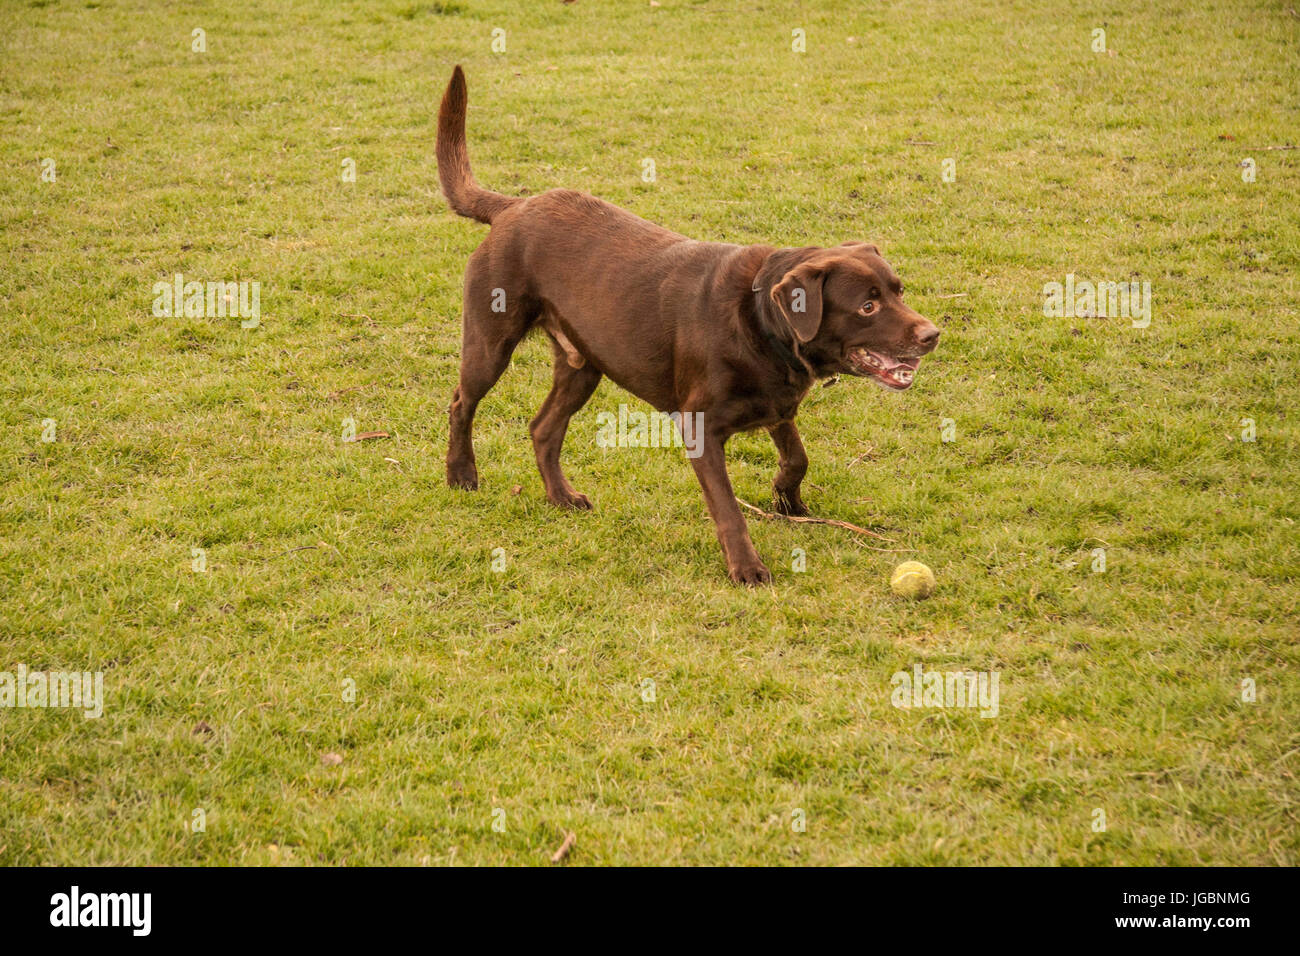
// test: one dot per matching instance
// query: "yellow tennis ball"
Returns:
(912, 579)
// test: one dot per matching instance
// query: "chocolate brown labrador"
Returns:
(730, 338)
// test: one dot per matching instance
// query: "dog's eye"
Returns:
(867, 309)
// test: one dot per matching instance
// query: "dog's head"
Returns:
(843, 308)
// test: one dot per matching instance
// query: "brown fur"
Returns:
(686, 326)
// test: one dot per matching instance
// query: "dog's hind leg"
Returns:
(488, 341)
(570, 390)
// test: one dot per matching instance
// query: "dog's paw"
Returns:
(751, 574)
(462, 475)
(570, 499)
(791, 504)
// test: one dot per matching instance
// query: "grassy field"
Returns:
(348, 679)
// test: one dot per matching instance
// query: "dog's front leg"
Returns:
(743, 563)
(794, 465)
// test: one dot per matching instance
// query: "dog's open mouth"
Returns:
(894, 373)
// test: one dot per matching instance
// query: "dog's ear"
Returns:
(798, 297)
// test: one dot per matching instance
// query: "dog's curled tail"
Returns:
(465, 196)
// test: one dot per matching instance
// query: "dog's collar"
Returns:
(778, 346)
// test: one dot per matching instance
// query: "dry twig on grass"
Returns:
(306, 547)
(565, 847)
(831, 521)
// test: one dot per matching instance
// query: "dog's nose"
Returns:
(928, 336)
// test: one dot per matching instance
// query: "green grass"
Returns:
(522, 690)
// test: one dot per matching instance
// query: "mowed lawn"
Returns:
(308, 654)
